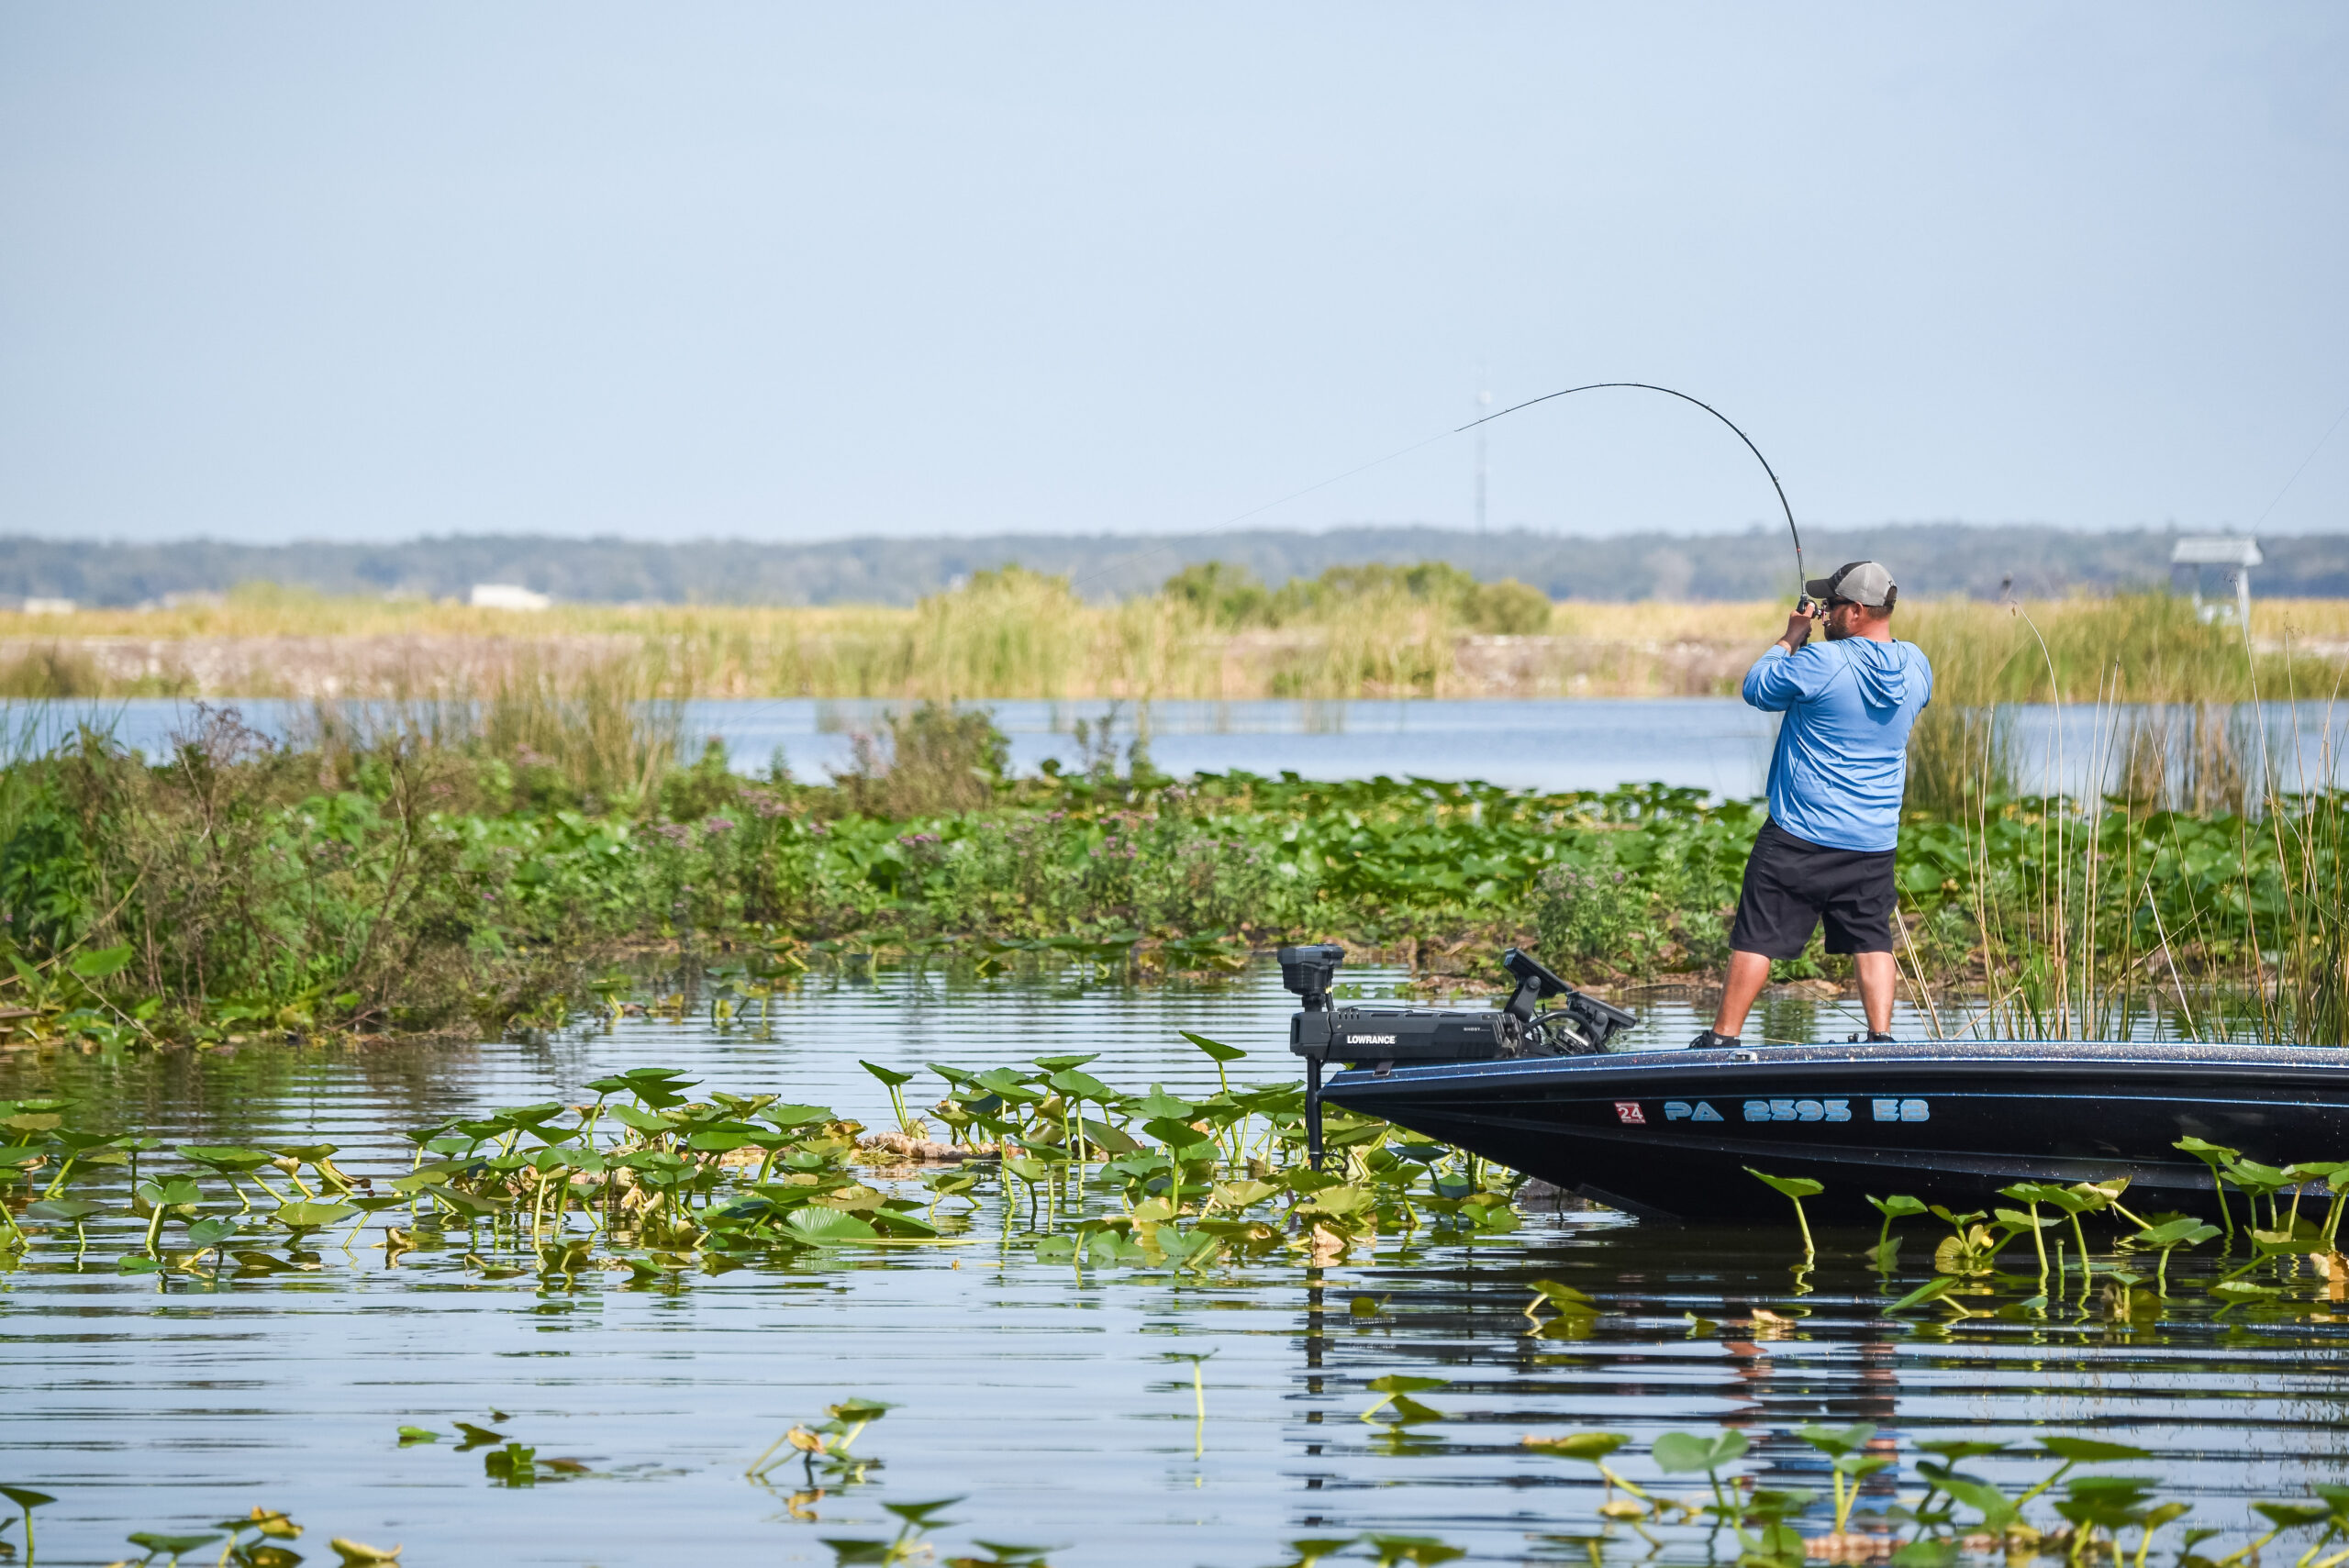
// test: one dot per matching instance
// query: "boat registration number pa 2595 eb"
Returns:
(1800, 1111)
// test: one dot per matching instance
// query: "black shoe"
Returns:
(1872, 1039)
(1708, 1040)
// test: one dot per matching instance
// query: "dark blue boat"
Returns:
(1671, 1134)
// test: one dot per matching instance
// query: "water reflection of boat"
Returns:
(1669, 1134)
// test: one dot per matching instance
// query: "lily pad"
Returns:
(827, 1226)
(226, 1158)
(1590, 1447)
(1681, 1452)
(151, 1542)
(210, 1233)
(1215, 1048)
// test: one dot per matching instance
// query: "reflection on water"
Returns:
(1049, 1401)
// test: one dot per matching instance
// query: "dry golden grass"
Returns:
(1017, 635)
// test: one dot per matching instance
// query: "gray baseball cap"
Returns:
(1861, 582)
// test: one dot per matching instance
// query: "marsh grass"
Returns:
(2069, 650)
(2197, 757)
(2193, 888)
(1012, 633)
(930, 760)
(354, 874)
(56, 669)
(1960, 757)
(443, 847)
(611, 731)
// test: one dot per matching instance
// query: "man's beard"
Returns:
(1837, 632)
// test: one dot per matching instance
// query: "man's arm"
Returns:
(1773, 685)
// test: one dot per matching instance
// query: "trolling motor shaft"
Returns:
(1387, 1037)
(1309, 971)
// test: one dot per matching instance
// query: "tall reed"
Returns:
(2193, 887)
(612, 732)
(1016, 634)
(1960, 758)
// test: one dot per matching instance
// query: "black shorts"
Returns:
(1791, 884)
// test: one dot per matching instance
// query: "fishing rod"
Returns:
(1168, 546)
(1801, 581)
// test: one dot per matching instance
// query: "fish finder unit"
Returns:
(1386, 1038)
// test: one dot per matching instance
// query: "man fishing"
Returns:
(1836, 780)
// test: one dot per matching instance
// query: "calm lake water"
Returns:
(1715, 744)
(1050, 1404)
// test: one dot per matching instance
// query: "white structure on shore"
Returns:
(508, 597)
(2238, 551)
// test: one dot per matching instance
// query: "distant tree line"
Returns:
(1257, 577)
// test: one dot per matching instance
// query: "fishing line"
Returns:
(1122, 563)
(2303, 468)
(1446, 435)
(1800, 579)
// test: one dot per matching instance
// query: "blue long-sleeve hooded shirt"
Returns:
(1842, 757)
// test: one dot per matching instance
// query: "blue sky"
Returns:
(272, 271)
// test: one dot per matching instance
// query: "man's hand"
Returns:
(1797, 628)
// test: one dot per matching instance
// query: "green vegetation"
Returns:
(2096, 1517)
(2093, 1516)
(482, 866)
(498, 859)
(648, 1182)
(1231, 598)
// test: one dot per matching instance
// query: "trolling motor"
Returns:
(1413, 1036)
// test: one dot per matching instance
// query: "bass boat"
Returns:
(1672, 1135)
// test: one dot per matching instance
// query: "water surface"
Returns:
(1046, 1399)
(1715, 744)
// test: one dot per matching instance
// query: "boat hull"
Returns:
(1669, 1135)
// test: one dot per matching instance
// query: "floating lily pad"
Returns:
(827, 1226)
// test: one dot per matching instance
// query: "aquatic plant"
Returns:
(908, 1544)
(1197, 1360)
(27, 1500)
(1928, 1510)
(1898, 1206)
(647, 1182)
(2092, 1513)
(827, 1443)
(656, 1182)
(1794, 1188)
(427, 873)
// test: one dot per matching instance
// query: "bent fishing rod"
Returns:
(1801, 581)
